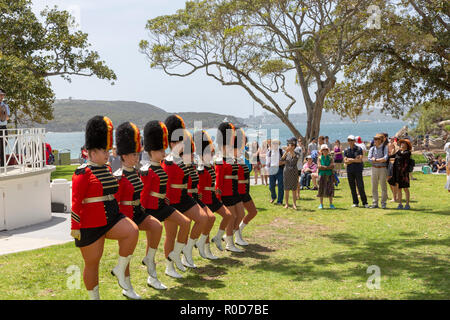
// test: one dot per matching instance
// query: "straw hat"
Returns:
(408, 143)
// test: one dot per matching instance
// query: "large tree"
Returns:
(257, 44)
(33, 49)
(403, 64)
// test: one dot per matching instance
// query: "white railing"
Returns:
(23, 150)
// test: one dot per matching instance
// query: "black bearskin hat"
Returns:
(225, 134)
(239, 139)
(202, 140)
(99, 133)
(155, 136)
(174, 123)
(128, 139)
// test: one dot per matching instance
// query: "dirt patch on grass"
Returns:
(285, 232)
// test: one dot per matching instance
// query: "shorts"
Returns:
(246, 197)
(199, 202)
(215, 205)
(231, 200)
(90, 235)
(186, 203)
(338, 160)
(139, 215)
(162, 213)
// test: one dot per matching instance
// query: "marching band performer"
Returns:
(95, 211)
(154, 200)
(177, 183)
(193, 192)
(206, 187)
(227, 182)
(243, 187)
(128, 142)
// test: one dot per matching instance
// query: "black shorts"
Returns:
(338, 160)
(216, 204)
(185, 204)
(162, 213)
(246, 197)
(90, 235)
(199, 202)
(231, 200)
(139, 215)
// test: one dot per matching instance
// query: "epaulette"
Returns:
(118, 174)
(143, 171)
(168, 162)
(81, 169)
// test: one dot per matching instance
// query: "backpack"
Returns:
(3, 112)
(411, 164)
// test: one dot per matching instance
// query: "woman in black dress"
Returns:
(400, 172)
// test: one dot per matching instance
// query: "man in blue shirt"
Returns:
(354, 162)
(3, 122)
(379, 157)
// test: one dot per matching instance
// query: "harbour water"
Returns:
(73, 141)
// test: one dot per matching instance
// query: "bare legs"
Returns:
(126, 232)
(171, 224)
(294, 198)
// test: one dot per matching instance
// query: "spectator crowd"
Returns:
(290, 169)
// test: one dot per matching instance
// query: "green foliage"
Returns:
(32, 49)
(427, 115)
(402, 64)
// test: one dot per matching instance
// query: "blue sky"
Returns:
(115, 28)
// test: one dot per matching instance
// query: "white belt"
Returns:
(134, 203)
(231, 177)
(193, 190)
(158, 195)
(243, 181)
(179, 186)
(210, 189)
(108, 197)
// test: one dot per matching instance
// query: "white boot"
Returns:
(200, 244)
(218, 239)
(208, 252)
(239, 240)
(94, 294)
(187, 254)
(230, 245)
(149, 261)
(130, 292)
(175, 255)
(155, 283)
(170, 270)
(119, 271)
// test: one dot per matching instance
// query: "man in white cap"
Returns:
(4, 117)
(353, 159)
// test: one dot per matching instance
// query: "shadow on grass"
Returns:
(431, 269)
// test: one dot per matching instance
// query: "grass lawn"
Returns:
(303, 254)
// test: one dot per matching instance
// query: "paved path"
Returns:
(55, 231)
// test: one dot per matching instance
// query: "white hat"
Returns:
(351, 137)
(324, 146)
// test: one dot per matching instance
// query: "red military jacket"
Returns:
(155, 180)
(207, 179)
(130, 187)
(177, 173)
(227, 186)
(241, 177)
(193, 181)
(91, 180)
